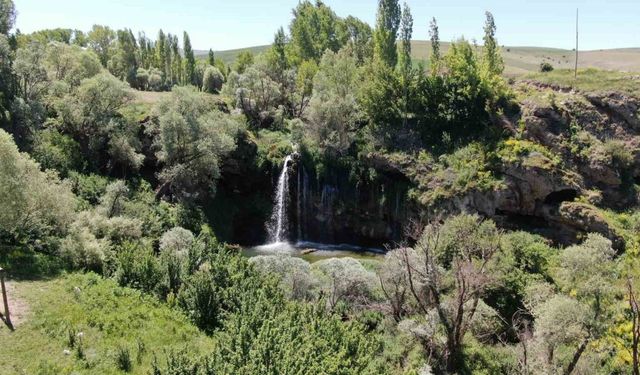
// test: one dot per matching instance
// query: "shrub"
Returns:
(294, 274)
(344, 280)
(545, 67)
(33, 202)
(54, 150)
(527, 154)
(619, 153)
(333, 109)
(88, 187)
(223, 285)
(82, 250)
(137, 267)
(464, 170)
(123, 359)
(212, 80)
(176, 241)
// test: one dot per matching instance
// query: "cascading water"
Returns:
(278, 224)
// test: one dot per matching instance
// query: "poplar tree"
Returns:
(7, 16)
(168, 58)
(387, 24)
(160, 51)
(211, 60)
(406, 30)
(492, 59)
(177, 70)
(189, 61)
(279, 50)
(434, 35)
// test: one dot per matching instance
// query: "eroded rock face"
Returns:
(618, 106)
(589, 132)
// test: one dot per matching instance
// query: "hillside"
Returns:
(518, 60)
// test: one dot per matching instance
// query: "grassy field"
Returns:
(591, 80)
(518, 60)
(83, 324)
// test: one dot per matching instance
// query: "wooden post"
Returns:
(7, 316)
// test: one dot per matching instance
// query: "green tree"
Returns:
(7, 16)
(381, 89)
(279, 51)
(314, 29)
(189, 61)
(79, 38)
(244, 60)
(160, 53)
(386, 33)
(492, 57)
(191, 138)
(91, 113)
(465, 96)
(212, 80)
(448, 274)
(34, 203)
(70, 63)
(32, 78)
(255, 93)
(7, 80)
(124, 64)
(435, 58)
(301, 96)
(176, 67)
(406, 29)
(101, 39)
(359, 37)
(333, 110)
(211, 58)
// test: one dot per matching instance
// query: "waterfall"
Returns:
(299, 202)
(305, 202)
(278, 224)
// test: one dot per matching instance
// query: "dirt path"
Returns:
(18, 307)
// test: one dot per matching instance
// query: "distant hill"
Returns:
(518, 60)
(229, 56)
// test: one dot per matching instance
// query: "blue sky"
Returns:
(231, 24)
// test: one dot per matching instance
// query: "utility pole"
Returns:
(575, 72)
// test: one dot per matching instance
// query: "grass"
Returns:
(84, 324)
(591, 80)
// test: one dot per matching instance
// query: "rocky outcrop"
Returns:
(597, 139)
(618, 107)
(576, 218)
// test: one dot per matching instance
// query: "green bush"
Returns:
(54, 150)
(212, 80)
(137, 267)
(545, 67)
(123, 359)
(221, 287)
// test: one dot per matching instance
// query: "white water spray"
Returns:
(278, 224)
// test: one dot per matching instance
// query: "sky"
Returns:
(230, 24)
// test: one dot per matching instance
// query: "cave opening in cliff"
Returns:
(557, 197)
